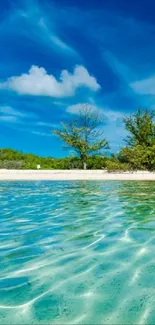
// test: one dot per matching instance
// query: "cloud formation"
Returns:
(38, 82)
(8, 110)
(42, 134)
(145, 86)
(8, 118)
(76, 108)
(109, 114)
(46, 35)
(9, 114)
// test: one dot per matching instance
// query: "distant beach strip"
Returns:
(59, 175)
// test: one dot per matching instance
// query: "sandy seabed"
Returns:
(74, 175)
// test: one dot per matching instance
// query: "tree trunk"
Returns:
(84, 161)
(84, 165)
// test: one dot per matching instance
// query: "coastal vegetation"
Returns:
(85, 136)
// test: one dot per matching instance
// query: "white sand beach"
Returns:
(61, 175)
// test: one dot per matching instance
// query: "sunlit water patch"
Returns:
(77, 252)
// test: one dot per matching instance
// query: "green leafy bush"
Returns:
(113, 166)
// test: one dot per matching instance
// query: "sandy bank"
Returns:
(73, 175)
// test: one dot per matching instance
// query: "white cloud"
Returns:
(44, 124)
(47, 125)
(49, 36)
(75, 109)
(8, 110)
(42, 26)
(8, 118)
(56, 102)
(145, 86)
(113, 115)
(10, 115)
(42, 134)
(109, 114)
(38, 82)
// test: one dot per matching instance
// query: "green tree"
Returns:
(113, 166)
(141, 128)
(140, 153)
(136, 157)
(84, 134)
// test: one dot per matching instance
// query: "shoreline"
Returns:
(67, 175)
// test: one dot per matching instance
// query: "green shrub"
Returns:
(113, 166)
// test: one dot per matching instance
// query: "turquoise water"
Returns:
(77, 252)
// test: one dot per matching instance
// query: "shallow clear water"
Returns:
(77, 252)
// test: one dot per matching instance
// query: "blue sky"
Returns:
(55, 55)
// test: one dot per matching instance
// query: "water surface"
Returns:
(77, 252)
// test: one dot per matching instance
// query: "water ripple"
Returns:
(77, 252)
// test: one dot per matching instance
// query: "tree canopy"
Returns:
(84, 134)
(140, 149)
(141, 128)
